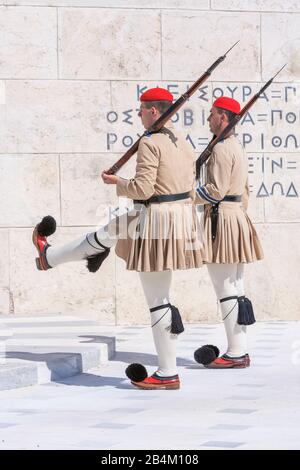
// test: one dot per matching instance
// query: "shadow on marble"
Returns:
(91, 380)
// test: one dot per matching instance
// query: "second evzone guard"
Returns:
(230, 240)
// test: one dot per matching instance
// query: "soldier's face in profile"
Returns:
(217, 120)
(148, 116)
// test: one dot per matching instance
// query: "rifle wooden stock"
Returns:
(161, 121)
(207, 152)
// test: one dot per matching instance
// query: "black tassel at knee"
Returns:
(94, 262)
(176, 322)
(246, 314)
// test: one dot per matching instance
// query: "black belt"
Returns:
(215, 213)
(163, 198)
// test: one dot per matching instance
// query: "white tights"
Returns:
(156, 286)
(228, 280)
(87, 245)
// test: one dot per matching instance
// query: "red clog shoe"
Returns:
(155, 382)
(39, 238)
(227, 362)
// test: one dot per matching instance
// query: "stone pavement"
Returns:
(48, 348)
(253, 408)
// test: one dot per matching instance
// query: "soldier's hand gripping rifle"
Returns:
(160, 122)
(207, 152)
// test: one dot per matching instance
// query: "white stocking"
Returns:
(156, 287)
(91, 243)
(227, 280)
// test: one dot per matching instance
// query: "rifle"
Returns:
(207, 152)
(160, 122)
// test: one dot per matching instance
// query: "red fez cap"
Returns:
(230, 104)
(157, 94)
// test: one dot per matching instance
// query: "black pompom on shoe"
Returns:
(136, 372)
(94, 262)
(214, 348)
(47, 226)
(206, 354)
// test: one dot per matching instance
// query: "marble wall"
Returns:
(71, 73)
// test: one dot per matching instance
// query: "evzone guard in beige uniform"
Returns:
(161, 236)
(230, 240)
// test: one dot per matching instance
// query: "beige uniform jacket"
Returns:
(164, 235)
(165, 165)
(226, 173)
